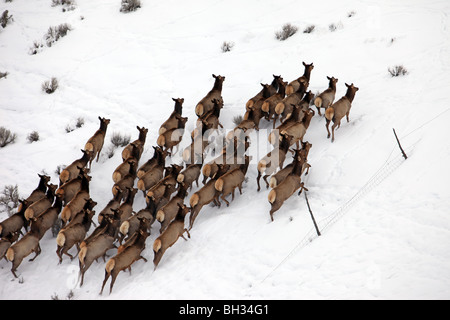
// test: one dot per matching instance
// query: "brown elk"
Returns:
(273, 88)
(124, 168)
(132, 224)
(71, 187)
(126, 207)
(231, 180)
(95, 143)
(114, 203)
(157, 157)
(129, 150)
(39, 206)
(153, 175)
(168, 212)
(47, 219)
(339, 109)
(205, 195)
(326, 98)
(174, 230)
(125, 258)
(14, 223)
(78, 201)
(284, 108)
(298, 130)
(73, 170)
(273, 160)
(268, 106)
(72, 235)
(170, 178)
(172, 137)
(190, 174)
(126, 181)
(294, 85)
(279, 194)
(299, 155)
(6, 243)
(205, 105)
(209, 121)
(37, 193)
(28, 244)
(254, 112)
(173, 121)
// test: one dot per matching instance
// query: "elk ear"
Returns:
(304, 63)
(100, 118)
(328, 78)
(174, 99)
(214, 76)
(347, 85)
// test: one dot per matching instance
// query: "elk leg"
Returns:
(104, 281)
(318, 110)
(37, 251)
(348, 120)
(257, 180)
(189, 235)
(223, 198)
(332, 130)
(265, 179)
(328, 130)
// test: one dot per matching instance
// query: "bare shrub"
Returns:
(309, 29)
(33, 136)
(351, 14)
(9, 199)
(130, 5)
(59, 169)
(227, 46)
(55, 33)
(50, 86)
(3, 74)
(67, 5)
(5, 19)
(120, 141)
(397, 71)
(36, 47)
(335, 26)
(237, 119)
(80, 122)
(6, 137)
(287, 30)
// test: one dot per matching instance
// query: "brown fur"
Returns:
(28, 244)
(37, 193)
(73, 169)
(37, 207)
(129, 150)
(272, 90)
(268, 107)
(46, 219)
(294, 85)
(284, 108)
(339, 109)
(326, 98)
(298, 130)
(173, 121)
(172, 137)
(158, 155)
(231, 180)
(205, 105)
(95, 143)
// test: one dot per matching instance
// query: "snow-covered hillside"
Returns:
(391, 243)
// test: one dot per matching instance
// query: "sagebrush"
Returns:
(287, 30)
(6, 137)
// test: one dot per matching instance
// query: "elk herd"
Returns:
(166, 186)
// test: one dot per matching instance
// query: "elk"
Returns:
(205, 195)
(298, 130)
(46, 219)
(39, 206)
(299, 155)
(124, 168)
(129, 150)
(170, 178)
(126, 207)
(95, 143)
(126, 181)
(132, 224)
(168, 238)
(28, 244)
(154, 174)
(190, 174)
(125, 259)
(205, 105)
(279, 194)
(78, 201)
(273, 160)
(172, 137)
(326, 98)
(15, 223)
(339, 109)
(71, 187)
(168, 212)
(273, 88)
(6, 243)
(231, 180)
(294, 85)
(196, 150)
(98, 243)
(37, 193)
(208, 121)
(267, 92)
(158, 155)
(72, 235)
(268, 107)
(72, 170)
(114, 203)
(284, 108)
(174, 118)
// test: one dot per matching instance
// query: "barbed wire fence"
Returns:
(387, 168)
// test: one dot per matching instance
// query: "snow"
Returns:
(392, 242)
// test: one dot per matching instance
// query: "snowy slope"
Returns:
(392, 243)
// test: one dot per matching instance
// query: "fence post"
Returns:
(312, 216)
(400, 146)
